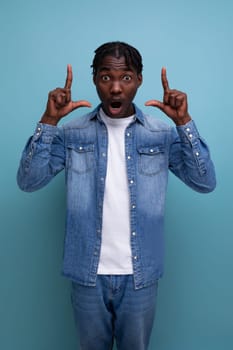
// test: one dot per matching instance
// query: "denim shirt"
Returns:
(151, 149)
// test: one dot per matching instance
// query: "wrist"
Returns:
(182, 121)
(47, 119)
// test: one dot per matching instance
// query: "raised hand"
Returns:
(174, 104)
(60, 103)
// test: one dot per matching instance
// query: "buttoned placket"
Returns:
(103, 144)
(130, 161)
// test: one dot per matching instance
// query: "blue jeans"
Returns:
(114, 310)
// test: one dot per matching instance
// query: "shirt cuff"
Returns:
(44, 132)
(188, 132)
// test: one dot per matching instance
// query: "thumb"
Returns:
(81, 103)
(155, 103)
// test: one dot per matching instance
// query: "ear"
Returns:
(140, 79)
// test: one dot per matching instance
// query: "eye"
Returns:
(105, 78)
(127, 77)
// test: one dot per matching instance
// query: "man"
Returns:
(116, 160)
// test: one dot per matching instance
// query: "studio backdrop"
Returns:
(193, 40)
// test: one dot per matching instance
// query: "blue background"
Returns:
(194, 40)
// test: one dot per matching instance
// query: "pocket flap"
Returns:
(81, 147)
(151, 150)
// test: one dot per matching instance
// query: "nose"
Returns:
(116, 87)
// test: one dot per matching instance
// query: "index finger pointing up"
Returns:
(69, 77)
(164, 79)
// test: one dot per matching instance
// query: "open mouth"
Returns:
(116, 104)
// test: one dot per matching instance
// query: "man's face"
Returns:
(116, 85)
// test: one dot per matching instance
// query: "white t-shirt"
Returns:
(115, 256)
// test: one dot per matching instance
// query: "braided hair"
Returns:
(118, 49)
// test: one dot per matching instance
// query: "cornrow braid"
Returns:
(118, 49)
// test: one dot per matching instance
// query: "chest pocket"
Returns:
(81, 157)
(151, 159)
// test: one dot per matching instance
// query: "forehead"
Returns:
(114, 63)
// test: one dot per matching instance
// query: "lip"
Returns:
(116, 107)
(115, 111)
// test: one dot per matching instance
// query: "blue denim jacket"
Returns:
(151, 149)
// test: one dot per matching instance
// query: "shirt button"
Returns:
(133, 233)
(190, 136)
(80, 148)
(197, 153)
(131, 181)
(129, 157)
(151, 150)
(133, 206)
(188, 129)
(102, 179)
(135, 257)
(104, 154)
(128, 134)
